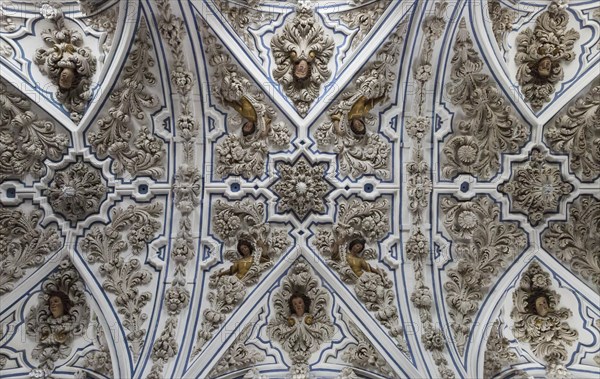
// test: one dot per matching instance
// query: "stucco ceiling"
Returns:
(270, 189)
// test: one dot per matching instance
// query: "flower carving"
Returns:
(68, 63)
(77, 191)
(536, 188)
(540, 53)
(302, 52)
(301, 188)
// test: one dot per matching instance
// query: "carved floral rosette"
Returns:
(362, 151)
(302, 41)
(242, 152)
(301, 336)
(234, 222)
(542, 324)
(540, 53)
(68, 63)
(368, 221)
(54, 330)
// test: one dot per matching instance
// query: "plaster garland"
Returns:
(502, 19)
(497, 352)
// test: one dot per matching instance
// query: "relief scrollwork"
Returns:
(61, 315)
(25, 140)
(576, 241)
(240, 225)
(245, 151)
(497, 352)
(140, 154)
(502, 19)
(540, 322)
(482, 246)
(536, 188)
(489, 127)
(239, 355)
(301, 321)
(363, 19)
(576, 133)
(68, 63)
(245, 17)
(345, 248)
(302, 51)
(125, 277)
(24, 244)
(364, 355)
(541, 52)
(350, 130)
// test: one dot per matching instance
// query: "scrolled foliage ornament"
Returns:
(68, 63)
(541, 52)
(540, 322)
(302, 52)
(301, 322)
(61, 315)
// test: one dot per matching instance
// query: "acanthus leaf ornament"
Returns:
(497, 352)
(301, 321)
(482, 245)
(123, 276)
(243, 152)
(364, 355)
(61, 315)
(539, 322)
(141, 153)
(349, 131)
(239, 355)
(576, 241)
(502, 19)
(25, 140)
(68, 63)
(242, 225)
(576, 133)
(363, 19)
(536, 188)
(489, 127)
(541, 52)
(302, 51)
(24, 244)
(344, 247)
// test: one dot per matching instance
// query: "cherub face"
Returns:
(545, 67)
(358, 126)
(541, 306)
(301, 69)
(65, 80)
(57, 308)
(244, 250)
(248, 128)
(298, 305)
(357, 248)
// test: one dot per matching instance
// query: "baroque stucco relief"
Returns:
(265, 189)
